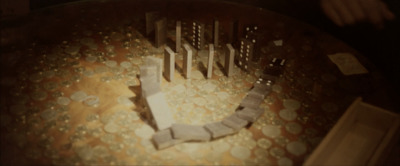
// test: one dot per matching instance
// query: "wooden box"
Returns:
(364, 135)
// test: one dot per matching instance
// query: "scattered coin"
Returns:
(125, 100)
(92, 117)
(101, 69)
(288, 114)
(296, 148)
(240, 152)
(277, 152)
(220, 147)
(264, 143)
(111, 63)
(63, 100)
(111, 127)
(85, 152)
(105, 79)
(277, 88)
(49, 73)
(132, 82)
(66, 83)
(126, 64)
(79, 96)
(109, 48)
(145, 132)
(91, 59)
(57, 94)
(96, 132)
(39, 95)
(132, 151)
(293, 127)
(271, 131)
(281, 140)
(88, 73)
(209, 87)
(108, 138)
(116, 147)
(261, 153)
(91, 100)
(48, 114)
(199, 101)
(291, 104)
(100, 151)
(72, 50)
(197, 75)
(284, 161)
(76, 78)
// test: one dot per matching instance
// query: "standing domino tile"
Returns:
(229, 59)
(169, 64)
(216, 33)
(178, 36)
(187, 61)
(210, 61)
(157, 62)
(161, 32)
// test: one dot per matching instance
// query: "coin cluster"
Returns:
(75, 102)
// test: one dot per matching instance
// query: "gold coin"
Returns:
(240, 152)
(261, 153)
(293, 127)
(271, 131)
(277, 152)
(111, 127)
(264, 143)
(284, 161)
(296, 148)
(39, 95)
(63, 100)
(78, 96)
(281, 140)
(288, 115)
(291, 104)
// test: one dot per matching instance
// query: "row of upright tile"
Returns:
(170, 133)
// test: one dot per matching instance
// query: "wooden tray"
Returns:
(364, 135)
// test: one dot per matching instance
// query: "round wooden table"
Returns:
(70, 93)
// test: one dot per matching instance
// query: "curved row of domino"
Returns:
(171, 133)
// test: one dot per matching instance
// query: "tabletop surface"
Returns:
(70, 91)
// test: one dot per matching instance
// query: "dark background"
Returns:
(381, 46)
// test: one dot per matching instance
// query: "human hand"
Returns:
(347, 12)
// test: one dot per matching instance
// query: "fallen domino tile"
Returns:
(160, 110)
(249, 114)
(217, 129)
(190, 132)
(163, 139)
(251, 102)
(258, 92)
(234, 122)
